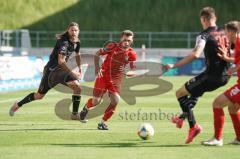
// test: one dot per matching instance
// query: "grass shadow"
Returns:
(118, 145)
(55, 129)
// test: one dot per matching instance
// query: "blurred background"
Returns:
(165, 31)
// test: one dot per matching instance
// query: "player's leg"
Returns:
(229, 98)
(233, 95)
(235, 116)
(59, 75)
(91, 103)
(182, 96)
(185, 104)
(187, 96)
(179, 120)
(192, 101)
(76, 98)
(187, 100)
(114, 100)
(98, 91)
(219, 118)
(196, 88)
(42, 90)
(29, 98)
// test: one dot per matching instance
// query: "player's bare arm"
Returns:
(63, 65)
(78, 61)
(196, 53)
(224, 55)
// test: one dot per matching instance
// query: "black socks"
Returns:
(183, 102)
(187, 104)
(27, 99)
(76, 102)
(192, 101)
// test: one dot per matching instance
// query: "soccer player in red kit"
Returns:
(109, 76)
(230, 97)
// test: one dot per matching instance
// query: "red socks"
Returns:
(109, 112)
(89, 103)
(236, 123)
(219, 119)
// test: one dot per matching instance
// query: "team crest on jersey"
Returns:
(64, 48)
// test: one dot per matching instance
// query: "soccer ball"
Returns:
(145, 131)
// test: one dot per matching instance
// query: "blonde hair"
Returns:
(65, 33)
(233, 26)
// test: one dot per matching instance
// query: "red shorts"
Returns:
(104, 84)
(233, 94)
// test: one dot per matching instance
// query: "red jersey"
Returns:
(115, 62)
(237, 56)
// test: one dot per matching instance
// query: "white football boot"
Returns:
(213, 142)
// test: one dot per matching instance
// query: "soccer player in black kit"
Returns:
(56, 71)
(214, 76)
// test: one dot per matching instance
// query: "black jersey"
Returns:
(214, 38)
(65, 47)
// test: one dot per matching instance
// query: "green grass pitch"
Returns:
(36, 132)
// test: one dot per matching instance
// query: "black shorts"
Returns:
(52, 77)
(202, 83)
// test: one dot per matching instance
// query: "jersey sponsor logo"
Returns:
(234, 91)
(63, 48)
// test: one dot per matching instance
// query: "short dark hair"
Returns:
(208, 13)
(233, 26)
(127, 33)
